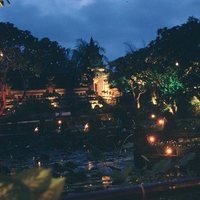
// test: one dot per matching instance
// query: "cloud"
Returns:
(85, 2)
(47, 7)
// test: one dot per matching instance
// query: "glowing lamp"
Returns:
(59, 121)
(106, 180)
(86, 127)
(177, 64)
(39, 164)
(168, 151)
(151, 139)
(161, 121)
(36, 129)
(153, 116)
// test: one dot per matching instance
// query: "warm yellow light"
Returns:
(106, 180)
(161, 121)
(59, 121)
(86, 127)
(36, 129)
(39, 164)
(153, 116)
(168, 151)
(151, 139)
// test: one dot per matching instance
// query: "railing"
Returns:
(144, 191)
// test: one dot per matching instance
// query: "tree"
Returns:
(14, 45)
(87, 56)
(24, 57)
(175, 54)
(166, 87)
(128, 74)
(51, 60)
(2, 2)
(169, 66)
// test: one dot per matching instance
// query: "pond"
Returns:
(87, 161)
(83, 168)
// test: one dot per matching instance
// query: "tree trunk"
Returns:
(138, 102)
(3, 89)
(3, 99)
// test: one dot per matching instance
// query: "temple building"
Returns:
(100, 88)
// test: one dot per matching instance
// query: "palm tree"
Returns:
(88, 56)
(2, 2)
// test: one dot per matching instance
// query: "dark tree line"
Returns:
(166, 73)
(29, 63)
(2, 2)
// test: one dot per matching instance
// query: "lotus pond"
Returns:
(98, 162)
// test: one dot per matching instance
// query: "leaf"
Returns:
(37, 179)
(34, 183)
(5, 188)
(161, 167)
(120, 176)
(13, 189)
(55, 189)
(185, 159)
(145, 158)
(128, 145)
(1, 3)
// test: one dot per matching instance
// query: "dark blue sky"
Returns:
(110, 22)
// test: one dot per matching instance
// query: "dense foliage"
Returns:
(27, 62)
(168, 68)
(2, 2)
(163, 75)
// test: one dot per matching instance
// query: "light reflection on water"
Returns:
(80, 158)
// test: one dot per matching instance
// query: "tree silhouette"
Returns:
(168, 67)
(24, 57)
(2, 2)
(87, 56)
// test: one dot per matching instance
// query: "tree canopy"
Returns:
(2, 2)
(27, 62)
(168, 67)
(24, 57)
(87, 56)
(167, 70)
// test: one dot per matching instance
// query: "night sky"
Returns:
(112, 23)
